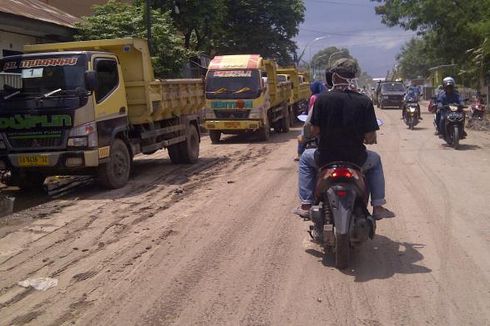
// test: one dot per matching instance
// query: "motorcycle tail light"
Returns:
(341, 193)
(341, 173)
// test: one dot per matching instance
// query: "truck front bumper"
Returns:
(66, 160)
(233, 125)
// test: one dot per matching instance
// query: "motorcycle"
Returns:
(432, 108)
(341, 218)
(411, 111)
(477, 109)
(454, 119)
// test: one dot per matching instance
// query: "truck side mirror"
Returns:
(91, 80)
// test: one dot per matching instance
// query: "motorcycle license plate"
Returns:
(33, 160)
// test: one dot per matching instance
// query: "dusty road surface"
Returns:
(216, 243)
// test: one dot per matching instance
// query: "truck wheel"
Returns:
(215, 136)
(186, 152)
(115, 173)
(27, 180)
(285, 120)
(292, 116)
(264, 133)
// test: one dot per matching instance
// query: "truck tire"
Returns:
(215, 136)
(186, 152)
(285, 119)
(27, 180)
(115, 173)
(292, 116)
(264, 133)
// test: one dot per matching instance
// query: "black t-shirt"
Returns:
(344, 117)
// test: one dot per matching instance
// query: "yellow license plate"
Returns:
(33, 160)
(232, 125)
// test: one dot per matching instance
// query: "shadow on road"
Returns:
(380, 259)
(249, 138)
(463, 147)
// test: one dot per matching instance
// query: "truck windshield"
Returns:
(232, 84)
(393, 87)
(34, 76)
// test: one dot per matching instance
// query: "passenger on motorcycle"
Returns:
(316, 88)
(447, 96)
(345, 121)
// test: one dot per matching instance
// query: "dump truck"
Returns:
(89, 107)
(243, 95)
(300, 95)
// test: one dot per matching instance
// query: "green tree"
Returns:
(116, 20)
(415, 59)
(265, 27)
(201, 22)
(449, 28)
(323, 59)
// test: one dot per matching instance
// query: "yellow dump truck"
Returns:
(300, 95)
(89, 107)
(243, 95)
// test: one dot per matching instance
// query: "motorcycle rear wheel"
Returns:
(342, 250)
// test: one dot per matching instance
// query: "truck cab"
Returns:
(244, 94)
(88, 108)
(50, 120)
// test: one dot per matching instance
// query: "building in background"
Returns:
(32, 21)
(78, 8)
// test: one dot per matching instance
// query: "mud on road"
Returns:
(216, 244)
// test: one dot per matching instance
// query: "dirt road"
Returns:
(216, 243)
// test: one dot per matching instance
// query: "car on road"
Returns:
(390, 95)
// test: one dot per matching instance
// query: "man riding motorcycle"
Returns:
(412, 95)
(345, 121)
(447, 96)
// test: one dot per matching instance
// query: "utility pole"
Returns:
(148, 24)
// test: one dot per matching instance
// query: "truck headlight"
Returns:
(209, 114)
(255, 113)
(83, 136)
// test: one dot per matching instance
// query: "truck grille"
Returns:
(33, 142)
(232, 114)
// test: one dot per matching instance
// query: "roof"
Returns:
(37, 10)
(240, 61)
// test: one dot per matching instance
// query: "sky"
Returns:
(351, 24)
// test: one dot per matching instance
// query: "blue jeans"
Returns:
(372, 168)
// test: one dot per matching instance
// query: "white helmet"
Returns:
(448, 81)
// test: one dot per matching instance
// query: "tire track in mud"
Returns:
(129, 209)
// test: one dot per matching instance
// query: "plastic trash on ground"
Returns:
(40, 283)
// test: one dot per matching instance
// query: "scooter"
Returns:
(477, 109)
(341, 218)
(454, 119)
(411, 111)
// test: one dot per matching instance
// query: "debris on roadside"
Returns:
(40, 283)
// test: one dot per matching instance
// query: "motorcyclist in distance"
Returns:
(448, 95)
